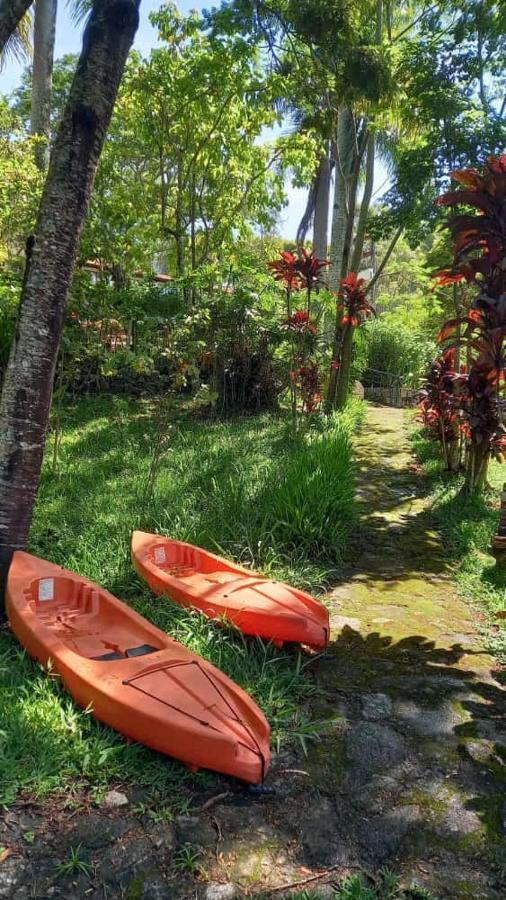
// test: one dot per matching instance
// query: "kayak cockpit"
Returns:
(84, 620)
(182, 560)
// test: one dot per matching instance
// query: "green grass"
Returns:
(467, 525)
(243, 488)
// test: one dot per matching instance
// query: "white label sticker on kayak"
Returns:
(160, 554)
(46, 589)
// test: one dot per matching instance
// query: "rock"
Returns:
(95, 831)
(215, 891)
(376, 706)
(163, 838)
(337, 623)
(502, 817)
(127, 861)
(326, 836)
(14, 873)
(427, 721)
(480, 751)
(154, 887)
(324, 891)
(458, 820)
(357, 390)
(382, 836)
(370, 746)
(114, 799)
(195, 831)
(376, 795)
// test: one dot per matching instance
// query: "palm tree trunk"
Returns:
(358, 246)
(344, 153)
(348, 158)
(51, 255)
(11, 13)
(42, 76)
(321, 209)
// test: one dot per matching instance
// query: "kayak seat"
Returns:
(108, 656)
(142, 650)
(179, 571)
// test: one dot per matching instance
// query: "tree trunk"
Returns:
(42, 76)
(343, 381)
(321, 209)
(11, 13)
(349, 158)
(358, 246)
(51, 255)
(344, 154)
(477, 468)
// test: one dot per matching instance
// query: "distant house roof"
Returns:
(96, 265)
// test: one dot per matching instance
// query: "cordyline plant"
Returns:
(297, 272)
(480, 260)
(354, 307)
(440, 407)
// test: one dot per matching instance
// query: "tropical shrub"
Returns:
(301, 271)
(353, 308)
(440, 407)
(480, 260)
(397, 350)
(240, 340)
(9, 300)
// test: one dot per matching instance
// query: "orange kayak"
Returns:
(218, 588)
(135, 678)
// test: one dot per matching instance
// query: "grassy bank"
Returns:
(467, 525)
(243, 488)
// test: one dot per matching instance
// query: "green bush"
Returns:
(308, 507)
(9, 299)
(397, 350)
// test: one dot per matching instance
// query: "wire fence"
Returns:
(387, 388)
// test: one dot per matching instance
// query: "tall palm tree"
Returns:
(316, 213)
(44, 27)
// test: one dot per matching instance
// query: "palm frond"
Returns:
(19, 45)
(79, 9)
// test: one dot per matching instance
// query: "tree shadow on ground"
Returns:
(410, 776)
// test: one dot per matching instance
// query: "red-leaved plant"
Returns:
(300, 322)
(440, 406)
(480, 259)
(300, 271)
(353, 300)
(353, 307)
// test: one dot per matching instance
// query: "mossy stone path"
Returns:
(408, 773)
(413, 776)
(411, 773)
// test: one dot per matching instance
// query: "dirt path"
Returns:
(409, 772)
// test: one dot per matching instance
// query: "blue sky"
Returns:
(68, 40)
